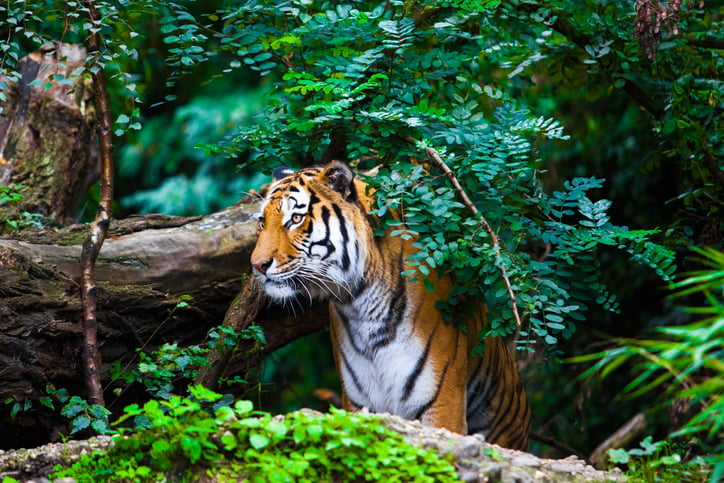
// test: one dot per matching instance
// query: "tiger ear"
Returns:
(340, 178)
(281, 172)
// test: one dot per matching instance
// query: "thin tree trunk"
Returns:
(97, 234)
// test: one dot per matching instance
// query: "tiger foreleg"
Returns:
(448, 410)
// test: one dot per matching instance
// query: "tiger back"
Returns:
(393, 350)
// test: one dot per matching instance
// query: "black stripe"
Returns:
(474, 383)
(357, 290)
(502, 410)
(325, 242)
(348, 329)
(485, 381)
(313, 198)
(421, 410)
(345, 236)
(352, 374)
(395, 316)
(500, 428)
(417, 370)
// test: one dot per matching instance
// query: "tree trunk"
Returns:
(47, 140)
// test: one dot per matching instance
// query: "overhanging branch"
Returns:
(433, 156)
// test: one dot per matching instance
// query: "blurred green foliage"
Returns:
(687, 360)
(595, 91)
(176, 177)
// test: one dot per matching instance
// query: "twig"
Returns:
(562, 447)
(706, 43)
(99, 228)
(433, 156)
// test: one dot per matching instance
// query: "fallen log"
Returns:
(145, 266)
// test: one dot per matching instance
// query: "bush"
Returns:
(187, 436)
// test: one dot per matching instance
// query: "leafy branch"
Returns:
(567, 29)
(353, 99)
(433, 156)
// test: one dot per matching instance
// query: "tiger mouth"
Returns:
(294, 287)
(279, 290)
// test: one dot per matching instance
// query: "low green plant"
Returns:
(11, 196)
(658, 461)
(158, 372)
(686, 360)
(184, 435)
(170, 363)
(81, 415)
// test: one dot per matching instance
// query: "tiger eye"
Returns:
(297, 218)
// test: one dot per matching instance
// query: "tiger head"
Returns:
(313, 234)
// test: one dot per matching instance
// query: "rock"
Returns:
(475, 460)
(36, 463)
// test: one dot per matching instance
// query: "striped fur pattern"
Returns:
(393, 350)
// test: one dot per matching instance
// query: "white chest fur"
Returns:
(383, 366)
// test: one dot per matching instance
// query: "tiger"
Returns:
(392, 347)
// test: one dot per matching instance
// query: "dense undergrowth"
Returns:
(183, 437)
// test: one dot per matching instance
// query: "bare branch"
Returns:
(433, 156)
(560, 446)
(706, 43)
(94, 241)
(241, 313)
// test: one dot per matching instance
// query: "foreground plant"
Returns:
(186, 436)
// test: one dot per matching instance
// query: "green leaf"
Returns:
(618, 456)
(71, 410)
(243, 407)
(191, 448)
(314, 431)
(229, 441)
(259, 441)
(79, 423)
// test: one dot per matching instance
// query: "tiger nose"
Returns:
(262, 265)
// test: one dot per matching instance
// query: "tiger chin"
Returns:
(393, 350)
